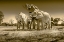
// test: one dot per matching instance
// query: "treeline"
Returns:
(54, 22)
(8, 24)
(57, 22)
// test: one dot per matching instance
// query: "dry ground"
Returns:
(10, 34)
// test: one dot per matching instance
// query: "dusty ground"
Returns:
(10, 34)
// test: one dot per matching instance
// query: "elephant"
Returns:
(40, 15)
(24, 20)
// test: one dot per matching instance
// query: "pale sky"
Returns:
(11, 8)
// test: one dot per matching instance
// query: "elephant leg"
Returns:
(34, 24)
(18, 25)
(38, 24)
(41, 24)
(28, 25)
(31, 24)
(46, 25)
(23, 26)
(50, 25)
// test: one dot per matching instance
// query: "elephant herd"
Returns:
(37, 19)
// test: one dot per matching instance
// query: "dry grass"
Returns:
(53, 35)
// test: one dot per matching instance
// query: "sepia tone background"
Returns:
(12, 7)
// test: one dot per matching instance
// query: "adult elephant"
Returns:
(42, 16)
(24, 20)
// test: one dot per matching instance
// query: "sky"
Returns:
(13, 7)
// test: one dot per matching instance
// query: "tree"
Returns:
(56, 19)
(1, 17)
